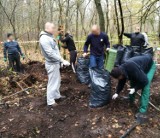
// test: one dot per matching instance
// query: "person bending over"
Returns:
(70, 45)
(140, 71)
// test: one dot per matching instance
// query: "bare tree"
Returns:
(11, 16)
(100, 14)
(119, 30)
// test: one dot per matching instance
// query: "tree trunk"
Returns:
(119, 31)
(38, 23)
(107, 17)
(66, 18)
(77, 16)
(122, 23)
(101, 15)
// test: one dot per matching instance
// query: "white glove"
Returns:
(84, 55)
(107, 49)
(132, 91)
(65, 63)
(115, 96)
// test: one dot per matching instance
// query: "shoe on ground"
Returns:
(141, 118)
(63, 97)
(141, 115)
(53, 105)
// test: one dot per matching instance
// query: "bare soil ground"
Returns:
(26, 114)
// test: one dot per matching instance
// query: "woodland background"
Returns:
(26, 18)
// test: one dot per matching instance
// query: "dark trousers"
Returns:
(73, 57)
(14, 61)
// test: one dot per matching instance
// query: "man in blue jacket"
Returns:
(98, 42)
(13, 51)
(140, 71)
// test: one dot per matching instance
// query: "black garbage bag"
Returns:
(100, 88)
(82, 70)
(137, 54)
(129, 53)
(145, 51)
(120, 53)
(116, 46)
(136, 49)
(149, 51)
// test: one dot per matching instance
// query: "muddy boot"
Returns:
(141, 118)
(140, 115)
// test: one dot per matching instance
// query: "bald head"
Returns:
(50, 28)
(95, 30)
(137, 29)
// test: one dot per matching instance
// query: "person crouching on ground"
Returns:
(70, 45)
(53, 60)
(97, 41)
(140, 71)
(12, 49)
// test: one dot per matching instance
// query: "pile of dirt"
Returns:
(72, 118)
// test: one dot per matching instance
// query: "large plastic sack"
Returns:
(129, 53)
(145, 51)
(116, 46)
(148, 51)
(136, 49)
(120, 53)
(82, 70)
(100, 88)
(137, 54)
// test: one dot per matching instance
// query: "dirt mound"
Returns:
(11, 82)
(28, 115)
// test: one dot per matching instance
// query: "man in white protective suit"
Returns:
(53, 61)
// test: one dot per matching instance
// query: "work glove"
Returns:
(65, 63)
(107, 49)
(115, 96)
(23, 56)
(5, 59)
(132, 91)
(84, 55)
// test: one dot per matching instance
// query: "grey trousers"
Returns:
(54, 80)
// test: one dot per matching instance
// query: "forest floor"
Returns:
(26, 114)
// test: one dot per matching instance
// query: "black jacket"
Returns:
(70, 45)
(137, 39)
(135, 69)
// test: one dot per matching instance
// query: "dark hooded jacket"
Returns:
(70, 45)
(135, 70)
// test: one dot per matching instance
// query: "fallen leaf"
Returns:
(121, 132)
(11, 119)
(109, 136)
